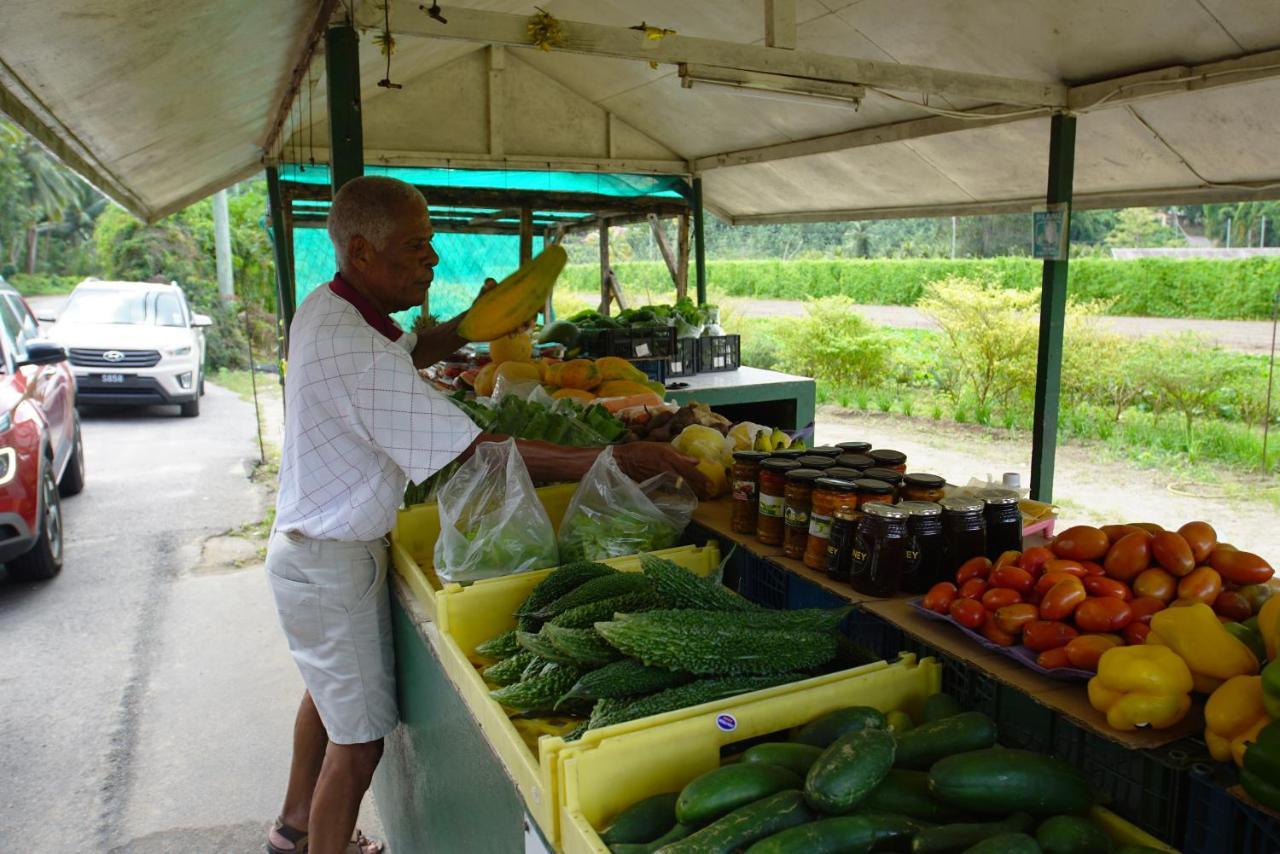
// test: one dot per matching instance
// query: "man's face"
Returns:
(399, 275)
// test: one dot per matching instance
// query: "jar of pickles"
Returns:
(772, 494)
(889, 476)
(925, 546)
(826, 451)
(827, 494)
(788, 454)
(843, 473)
(872, 491)
(964, 532)
(746, 477)
(879, 550)
(795, 510)
(854, 447)
(918, 486)
(1004, 521)
(816, 461)
(855, 461)
(889, 459)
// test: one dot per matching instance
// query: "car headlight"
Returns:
(177, 351)
(8, 465)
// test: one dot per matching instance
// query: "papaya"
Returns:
(618, 368)
(517, 372)
(622, 388)
(574, 394)
(579, 373)
(486, 380)
(511, 348)
(544, 365)
(501, 310)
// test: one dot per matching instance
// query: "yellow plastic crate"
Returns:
(467, 616)
(413, 541)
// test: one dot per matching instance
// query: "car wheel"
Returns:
(202, 383)
(73, 477)
(192, 409)
(44, 561)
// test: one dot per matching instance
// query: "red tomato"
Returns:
(1130, 555)
(1103, 614)
(1202, 585)
(1013, 578)
(1044, 635)
(1136, 633)
(973, 588)
(1233, 606)
(1240, 567)
(1052, 659)
(1172, 553)
(974, 567)
(1062, 599)
(1046, 581)
(1157, 584)
(1083, 542)
(1034, 558)
(940, 597)
(991, 631)
(1201, 537)
(1083, 652)
(1072, 566)
(999, 597)
(1014, 618)
(1143, 607)
(968, 613)
(1007, 558)
(1092, 568)
(1098, 585)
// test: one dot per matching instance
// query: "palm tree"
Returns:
(51, 187)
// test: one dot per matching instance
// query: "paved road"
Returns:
(146, 698)
(1249, 336)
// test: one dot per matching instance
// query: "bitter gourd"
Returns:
(666, 642)
(509, 670)
(626, 678)
(586, 616)
(803, 620)
(534, 667)
(541, 646)
(583, 647)
(504, 645)
(538, 693)
(561, 581)
(609, 712)
(596, 590)
(686, 590)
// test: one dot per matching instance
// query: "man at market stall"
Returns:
(360, 423)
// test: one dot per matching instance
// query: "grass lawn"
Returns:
(242, 383)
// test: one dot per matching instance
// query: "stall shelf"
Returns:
(752, 394)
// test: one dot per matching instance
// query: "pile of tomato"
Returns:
(1095, 588)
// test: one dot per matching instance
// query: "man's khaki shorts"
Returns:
(332, 600)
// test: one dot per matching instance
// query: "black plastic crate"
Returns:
(974, 690)
(685, 363)
(652, 342)
(654, 369)
(1219, 821)
(719, 353)
(763, 582)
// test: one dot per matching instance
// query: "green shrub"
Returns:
(43, 284)
(834, 342)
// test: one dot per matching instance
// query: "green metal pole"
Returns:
(280, 239)
(1053, 311)
(346, 133)
(699, 244)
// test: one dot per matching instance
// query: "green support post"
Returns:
(699, 243)
(1053, 310)
(281, 246)
(346, 133)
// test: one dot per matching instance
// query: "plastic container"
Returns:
(1221, 817)
(685, 361)
(718, 353)
(649, 342)
(413, 541)
(469, 615)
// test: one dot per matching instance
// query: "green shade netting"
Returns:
(600, 183)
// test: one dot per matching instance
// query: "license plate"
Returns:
(113, 378)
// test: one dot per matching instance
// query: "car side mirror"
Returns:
(201, 320)
(46, 315)
(43, 353)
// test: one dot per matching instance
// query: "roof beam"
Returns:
(780, 24)
(1174, 80)
(626, 43)
(395, 157)
(305, 51)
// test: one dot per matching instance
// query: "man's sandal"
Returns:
(297, 839)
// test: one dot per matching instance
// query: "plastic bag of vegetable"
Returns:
(611, 515)
(491, 521)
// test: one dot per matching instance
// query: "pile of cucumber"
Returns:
(856, 781)
(609, 646)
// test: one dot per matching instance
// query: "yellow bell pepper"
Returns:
(1233, 716)
(1269, 625)
(1210, 651)
(1141, 686)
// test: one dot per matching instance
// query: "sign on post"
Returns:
(1049, 225)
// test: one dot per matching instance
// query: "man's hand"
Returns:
(643, 460)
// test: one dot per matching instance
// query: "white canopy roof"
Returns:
(160, 102)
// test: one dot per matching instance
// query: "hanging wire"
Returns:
(387, 44)
(311, 116)
(297, 143)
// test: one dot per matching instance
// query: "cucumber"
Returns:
(849, 770)
(798, 758)
(720, 792)
(899, 722)
(907, 793)
(947, 838)
(1005, 843)
(745, 825)
(939, 706)
(854, 833)
(927, 743)
(680, 831)
(1071, 834)
(643, 821)
(1139, 849)
(1002, 781)
(822, 731)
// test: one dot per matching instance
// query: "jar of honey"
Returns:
(1004, 521)
(773, 489)
(886, 458)
(917, 486)
(827, 494)
(964, 531)
(795, 510)
(746, 478)
(879, 550)
(925, 546)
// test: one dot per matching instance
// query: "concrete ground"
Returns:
(147, 694)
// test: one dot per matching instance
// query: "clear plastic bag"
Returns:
(611, 515)
(491, 521)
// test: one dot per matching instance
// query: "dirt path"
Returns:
(1248, 336)
(1089, 490)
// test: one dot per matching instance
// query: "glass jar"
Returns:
(816, 461)
(844, 524)
(879, 550)
(795, 510)
(746, 477)
(964, 532)
(925, 545)
(854, 447)
(773, 491)
(872, 491)
(855, 461)
(886, 458)
(787, 454)
(826, 451)
(918, 486)
(842, 473)
(1004, 521)
(889, 476)
(827, 494)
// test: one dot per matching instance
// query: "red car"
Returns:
(41, 452)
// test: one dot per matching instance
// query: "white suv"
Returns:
(133, 343)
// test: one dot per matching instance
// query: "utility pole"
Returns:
(1228, 232)
(1262, 234)
(222, 245)
(953, 237)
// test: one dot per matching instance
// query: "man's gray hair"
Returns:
(369, 206)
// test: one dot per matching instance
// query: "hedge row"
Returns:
(1147, 287)
(40, 284)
